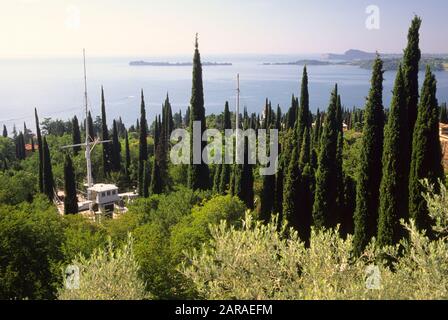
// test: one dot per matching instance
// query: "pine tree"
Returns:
(411, 61)
(326, 178)
(76, 135)
(198, 174)
(370, 167)
(426, 161)
(107, 154)
(394, 182)
(47, 174)
(39, 142)
(70, 198)
(5, 132)
(143, 144)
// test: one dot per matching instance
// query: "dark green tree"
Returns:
(76, 135)
(146, 179)
(127, 154)
(116, 149)
(107, 154)
(291, 190)
(324, 214)
(303, 119)
(47, 173)
(143, 144)
(426, 161)
(92, 132)
(198, 174)
(370, 166)
(394, 182)
(443, 114)
(40, 147)
(411, 59)
(70, 198)
(5, 132)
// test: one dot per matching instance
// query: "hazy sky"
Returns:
(154, 27)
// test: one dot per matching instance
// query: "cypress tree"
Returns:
(198, 174)
(305, 192)
(156, 186)
(443, 114)
(146, 179)
(303, 120)
(143, 145)
(291, 190)
(326, 178)
(107, 154)
(92, 133)
(225, 168)
(32, 145)
(217, 178)
(47, 174)
(426, 161)
(370, 167)
(70, 198)
(246, 179)
(127, 154)
(76, 135)
(292, 113)
(5, 132)
(41, 161)
(411, 61)
(116, 149)
(394, 182)
(187, 117)
(267, 198)
(227, 122)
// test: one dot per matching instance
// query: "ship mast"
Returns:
(88, 159)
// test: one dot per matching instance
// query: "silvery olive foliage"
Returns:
(108, 274)
(258, 261)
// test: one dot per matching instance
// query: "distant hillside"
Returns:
(389, 64)
(351, 54)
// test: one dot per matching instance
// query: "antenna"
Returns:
(88, 160)
(237, 120)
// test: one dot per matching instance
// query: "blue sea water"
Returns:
(55, 86)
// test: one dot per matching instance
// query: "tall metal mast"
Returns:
(88, 160)
(237, 120)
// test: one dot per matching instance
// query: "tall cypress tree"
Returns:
(70, 198)
(305, 192)
(76, 135)
(198, 174)
(267, 198)
(326, 178)
(40, 147)
(217, 178)
(146, 179)
(303, 120)
(291, 190)
(5, 132)
(156, 186)
(107, 154)
(443, 114)
(92, 133)
(245, 189)
(411, 61)
(370, 166)
(426, 161)
(47, 174)
(394, 183)
(225, 171)
(143, 144)
(127, 154)
(116, 149)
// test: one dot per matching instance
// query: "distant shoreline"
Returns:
(176, 64)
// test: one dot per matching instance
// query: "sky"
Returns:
(34, 28)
